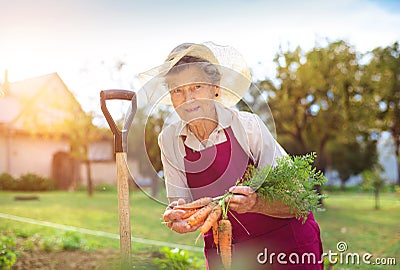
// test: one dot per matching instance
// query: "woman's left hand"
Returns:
(244, 199)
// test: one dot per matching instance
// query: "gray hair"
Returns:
(211, 71)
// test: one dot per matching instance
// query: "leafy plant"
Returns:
(33, 182)
(65, 241)
(7, 254)
(26, 182)
(7, 182)
(176, 259)
(291, 181)
(72, 241)
(50, 244)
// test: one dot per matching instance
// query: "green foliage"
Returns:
(29, 244)
(72, 241)
(331, 98)
(7, 254)
(7, 182)
(50, 244)
(27, 182)
(291, 181)
(397, 190)
(33, 182)
(176, 259)
(66, 241)
(353, 156)
(381, 76)
(372, 179)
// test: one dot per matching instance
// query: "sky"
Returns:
(83, 40)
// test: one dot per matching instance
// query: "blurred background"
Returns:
(329, 70)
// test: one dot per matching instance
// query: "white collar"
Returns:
(224, 116)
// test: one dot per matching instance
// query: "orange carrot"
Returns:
(200, 215)
(215, 233)
(225, 241)
(188, 213)
(211, 219)
(195, 204)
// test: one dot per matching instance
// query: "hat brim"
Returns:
(235, 74)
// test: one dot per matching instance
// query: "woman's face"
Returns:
(192, 93)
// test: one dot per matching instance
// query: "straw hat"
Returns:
(235, 74)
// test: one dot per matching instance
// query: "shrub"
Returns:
(397, 190)
(176, 259)
(72, 241)
(33, 182)
(7, 254)
(7, 182)
(50, 244)
(65, 241)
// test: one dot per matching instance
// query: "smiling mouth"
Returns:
(192, 109)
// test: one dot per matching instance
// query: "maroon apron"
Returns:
(257, 240)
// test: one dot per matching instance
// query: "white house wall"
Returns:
(104, 172)
(33, 155)
(3, 158)
(101, 172)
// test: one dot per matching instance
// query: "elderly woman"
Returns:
(209, 149)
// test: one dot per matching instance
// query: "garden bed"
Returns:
(76, 260)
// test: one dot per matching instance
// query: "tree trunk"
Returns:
(398, 170)
(376, 191)
(320, 163)
(342, 184)
(89, 178)
(88, 173)
(397, 146)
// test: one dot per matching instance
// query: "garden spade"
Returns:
(123, 174)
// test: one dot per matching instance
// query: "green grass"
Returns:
(349, 217)
(97, 213)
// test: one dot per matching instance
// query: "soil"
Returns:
(81, 260)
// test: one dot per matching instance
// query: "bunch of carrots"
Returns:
(209, 210)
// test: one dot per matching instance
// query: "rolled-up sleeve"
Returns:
(263, 146)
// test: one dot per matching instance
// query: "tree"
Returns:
(316, 99)
(352, 158)
(312, 102)
(372, 180)
(81, 132)
(382, 75)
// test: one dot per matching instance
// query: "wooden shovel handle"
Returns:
(120, 137)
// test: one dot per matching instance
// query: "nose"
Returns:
(188, 91)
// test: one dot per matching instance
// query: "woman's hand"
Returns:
(173, 219)
(244, 199)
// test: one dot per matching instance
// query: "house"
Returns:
(39, 120)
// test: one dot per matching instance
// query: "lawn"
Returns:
(99, 213)
(349, 217)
